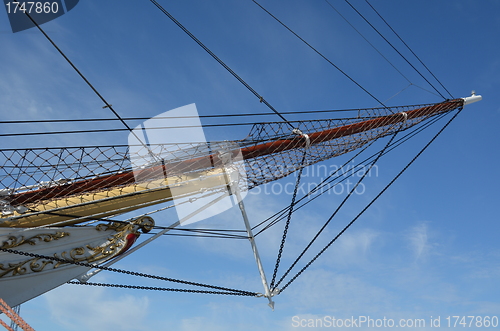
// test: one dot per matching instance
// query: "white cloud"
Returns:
(95, 308)
(418, 240)
(326, 291)
(354, 248)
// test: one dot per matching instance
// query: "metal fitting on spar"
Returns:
(473, 98)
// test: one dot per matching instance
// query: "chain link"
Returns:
(152, 288)
(128, 272)
(382, 152)
(287, 224)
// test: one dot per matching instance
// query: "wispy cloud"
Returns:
(96, 309)
(419, 241)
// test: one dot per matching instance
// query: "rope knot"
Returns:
(303, 135)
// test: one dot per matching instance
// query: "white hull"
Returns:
(23, 278)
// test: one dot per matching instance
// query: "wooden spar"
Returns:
(212, 161)
(347, 130)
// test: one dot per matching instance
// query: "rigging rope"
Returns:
(206, 233)
(103, 170)
(351, 116)
(401, 39)
(320, 54)
(107, 105)
(338, 208)
(124, 129)
(295, 209)
(370, 203)
(279, 216)
(176, 117)
(369, 43)
(291, 208)
(215, 57)
(395, 49)
(78, 71)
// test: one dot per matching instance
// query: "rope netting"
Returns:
(52, 179)
(328, 138)
(24, 169)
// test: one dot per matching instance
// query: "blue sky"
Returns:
(428, 247)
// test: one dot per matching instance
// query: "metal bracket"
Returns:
(232, 180)
(305, 136)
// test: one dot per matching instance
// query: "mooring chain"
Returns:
(128, 272)
(370, 203)
(153, 288)
(292, 204)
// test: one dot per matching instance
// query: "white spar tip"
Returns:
(473, 98)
